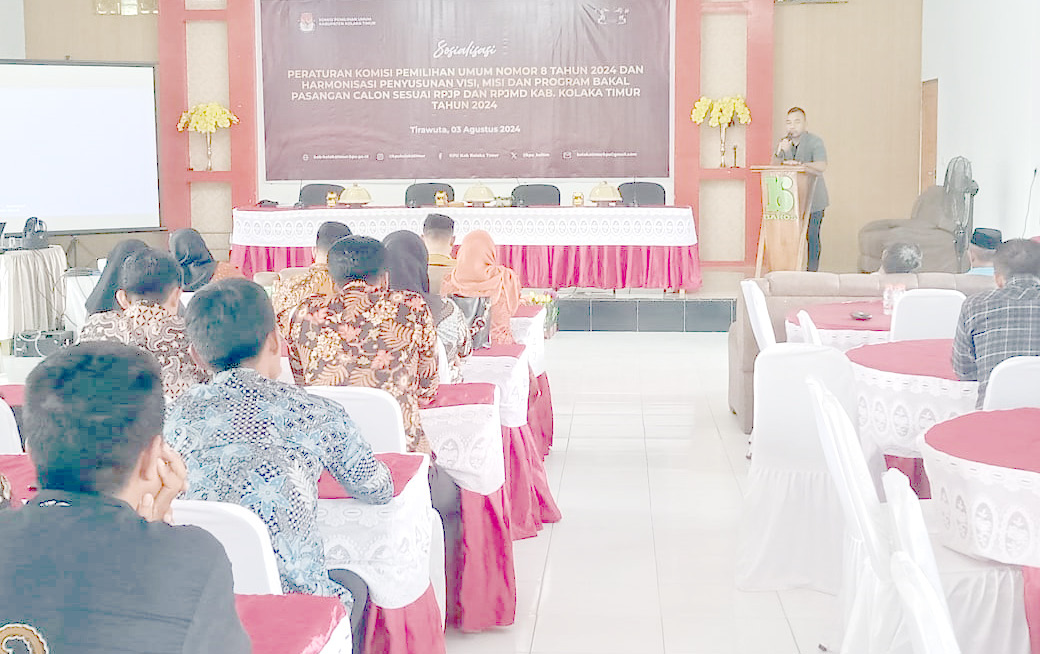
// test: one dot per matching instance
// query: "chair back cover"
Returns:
(316, 195)
(642, 194)
(922, 313)
(931, 628)
(425, 194)
(1013, 384)
(285, 375)
(758, 314)
(443, 367)
(536, 195)
(245, 539)
(791, 529)
(809, 332)
(376, 413)
(908, 526)
(10, 441)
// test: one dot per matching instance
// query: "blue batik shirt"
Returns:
(263, 444)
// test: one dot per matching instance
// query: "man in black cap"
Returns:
(984, 244)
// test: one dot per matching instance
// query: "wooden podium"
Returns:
(787, 192)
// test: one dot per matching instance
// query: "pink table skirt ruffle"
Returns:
(540, 413)
(407, 630)
(528, 497)
(481, 577)
(289, 624)
(541, 266)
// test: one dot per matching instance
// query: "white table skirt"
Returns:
(661, 226)
(387, 545)
(32, 290)
(895, 409)
(986, 511)
(842, 339)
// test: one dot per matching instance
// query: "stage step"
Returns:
(646, 315)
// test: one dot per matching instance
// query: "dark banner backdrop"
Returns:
(400, 89)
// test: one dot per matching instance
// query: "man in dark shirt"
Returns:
(89, 563)
(800, 147)
(1002, 323)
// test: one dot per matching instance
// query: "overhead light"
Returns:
(355, 196)
(603, 194)
(479, 194)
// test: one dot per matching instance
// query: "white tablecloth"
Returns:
(32, 290)
(842, 339)
(388, 545)
(667, 226)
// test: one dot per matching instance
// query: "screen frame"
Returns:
(155, 104)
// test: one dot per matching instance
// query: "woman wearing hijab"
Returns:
(478, 274)
(103, 297)
(197, 263)
(407, 263)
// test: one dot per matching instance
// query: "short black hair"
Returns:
(90, 410)
(901, 258)
(796, 110)
(329, 233)
(228, 322)
(1017, 256)
(356, 258)
(149, 275)
(438, 226)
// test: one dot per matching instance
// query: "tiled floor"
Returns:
(647, 467)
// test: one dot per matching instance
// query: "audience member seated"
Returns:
(149, 293)
(439, 237)
(901, 258)
(103, 297)
(89, 562)
(984, 244)
(406, 260)
(289, 293)
(1002, 323)
(478, 274)
(254, 441)
(196, 261)
(367, 335)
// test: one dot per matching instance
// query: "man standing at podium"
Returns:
(799, 147)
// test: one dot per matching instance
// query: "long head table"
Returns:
(554, 247)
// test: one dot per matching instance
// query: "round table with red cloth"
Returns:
(838, 328)
(984, 468)
(904, 388)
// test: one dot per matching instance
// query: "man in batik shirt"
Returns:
(261, 443)
(366, 335)
(150, 295)
(316, 280)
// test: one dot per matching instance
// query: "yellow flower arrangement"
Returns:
(720, 113)
(206, 118)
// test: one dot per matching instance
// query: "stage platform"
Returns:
(710, 309)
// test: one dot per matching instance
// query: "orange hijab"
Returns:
(478, 274)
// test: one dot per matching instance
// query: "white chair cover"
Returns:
(922, 313)
(286, 374)
(925, 609)
(186, 298)
(758, 314)
(443, 367)
(811, 335)
(1014, 383)
(10, 441)
(791, 526)
(375, 412)
(985, 598)
(245, 539)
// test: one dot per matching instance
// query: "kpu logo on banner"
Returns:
(307, 23)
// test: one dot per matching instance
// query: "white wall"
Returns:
(12, 29)
(985, 56)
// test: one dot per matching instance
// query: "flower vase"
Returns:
(722, 146)
(209, 151)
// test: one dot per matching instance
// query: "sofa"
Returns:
(787, 290)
